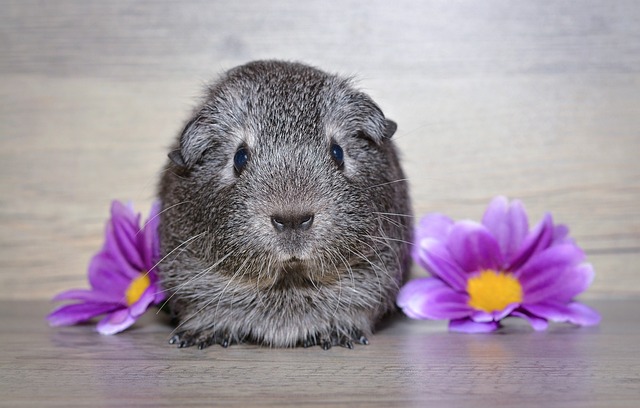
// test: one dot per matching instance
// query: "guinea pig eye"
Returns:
(337, 154)
(240, 159)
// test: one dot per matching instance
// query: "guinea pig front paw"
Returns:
(336, 338)
(202, 339)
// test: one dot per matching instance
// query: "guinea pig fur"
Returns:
(286, 215)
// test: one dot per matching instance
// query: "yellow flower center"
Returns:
(492, 291)
(136, 288)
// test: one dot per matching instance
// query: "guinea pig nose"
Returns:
(299, 222)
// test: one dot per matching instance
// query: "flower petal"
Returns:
(430, 298)
(123, 266)
(106, 276)
(435, 226)
(570, 283)
(149, 237)
(575, 281)
(583, 315)
(501, 314)
(537, 323)
(146, 300)
(160, 294)
(576, 313)
(536, 241)
(85, 295)
(78, 313)
(508, 224)
(115, 322)
(123, 233)
(434, 256)
(473, 247)
(561, 235)
(469, 326)
(481, 316)
(553, 273)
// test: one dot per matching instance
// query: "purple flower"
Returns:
(485, 272)
(123, 283)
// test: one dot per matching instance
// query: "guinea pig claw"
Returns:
(179, 340)
(360, 337)
(309, 341)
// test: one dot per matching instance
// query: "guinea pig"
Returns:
(286, 216)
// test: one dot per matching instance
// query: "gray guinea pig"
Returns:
(286, 214)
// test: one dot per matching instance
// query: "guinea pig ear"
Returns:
(381, 132)
(375, 127)
(390, 128)
(192, 144)
(176, 157)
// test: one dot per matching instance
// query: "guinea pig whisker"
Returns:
(268, 262)
(172, 172)
(390, 221)
(219, 298)
(340, 284)
(235, 275)
(177, 288)
(314, 284)
(373, 266)
(353, 282)
(379, 241)
(394, 214)
(187, 242)
(165, 257)
(259, 293)
(364, 258)
(385, 184)
(322, 268)
(160, 213)
(385, 239)
(331, 258)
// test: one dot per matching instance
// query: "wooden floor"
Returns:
(408, 363)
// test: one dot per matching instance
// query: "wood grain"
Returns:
(535, 100)
(408, 363)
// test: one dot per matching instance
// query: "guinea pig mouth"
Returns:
(303, 274)
(294, 263)
(293, 252)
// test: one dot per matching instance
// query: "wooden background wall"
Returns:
(538, 100)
